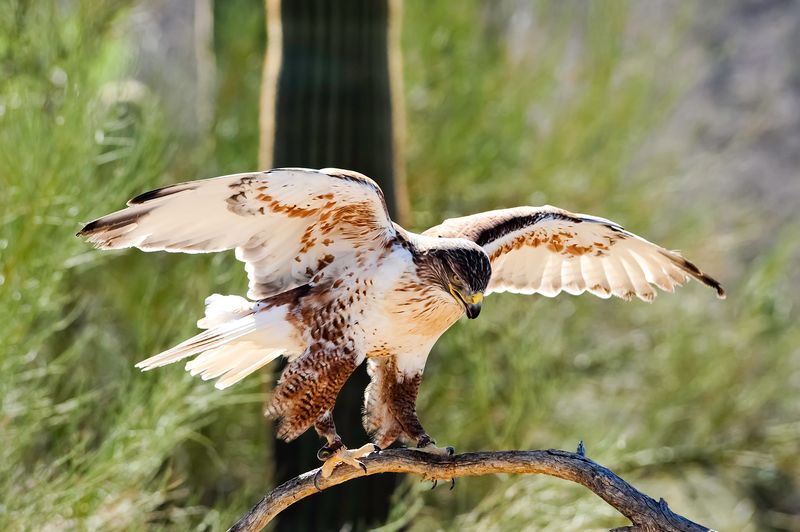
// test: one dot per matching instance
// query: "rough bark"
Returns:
(645, 513)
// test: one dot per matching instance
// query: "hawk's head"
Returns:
(462, 269)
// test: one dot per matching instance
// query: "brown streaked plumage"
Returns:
(334, 282)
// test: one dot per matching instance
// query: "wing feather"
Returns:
(285, 224)
(535, 273)
(641, 288)
(595, 276)
(551, 276)
(653, 272)
(618, 279)
(548, 250)
(572, 280)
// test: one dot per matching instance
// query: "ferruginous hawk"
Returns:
(334, 282)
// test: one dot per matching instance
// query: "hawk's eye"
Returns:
(456, 279)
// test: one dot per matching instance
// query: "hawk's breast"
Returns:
(378, 305)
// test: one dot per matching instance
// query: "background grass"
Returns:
(688, 398)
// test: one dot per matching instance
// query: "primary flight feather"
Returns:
(334, 282)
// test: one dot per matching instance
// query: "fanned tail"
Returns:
(232, 362)
(211, 339)
(240, 339)
(223, 309)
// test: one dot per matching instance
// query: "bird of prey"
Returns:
(333, 282)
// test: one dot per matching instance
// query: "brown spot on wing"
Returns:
(292, 211)
(555, 245)
(577, 250)
(560, 242)
(324, 261)
(604, 289)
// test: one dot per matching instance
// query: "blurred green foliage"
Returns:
(688, 398)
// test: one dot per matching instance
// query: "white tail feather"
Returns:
(245, 365)
(222, 309)
(232, 362)
(215, 362)
(206, 340)
(240, 339)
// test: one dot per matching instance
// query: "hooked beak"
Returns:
(473, 309)
(472, 304)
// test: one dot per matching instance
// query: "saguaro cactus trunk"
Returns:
(331, 98)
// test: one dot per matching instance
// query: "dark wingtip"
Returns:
(695, 272)
(146, 196)
(105, 224)
(720, 290)
(159, 193)
(713, 283)
(708, 280)
(89, 228)
(112, 221)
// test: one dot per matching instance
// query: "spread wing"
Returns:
(285, 224)
(546, 250)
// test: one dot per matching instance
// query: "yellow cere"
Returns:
(472, 300)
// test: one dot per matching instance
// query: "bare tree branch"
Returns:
(645, 513)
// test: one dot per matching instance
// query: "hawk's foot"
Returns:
(327, 450)
(427, 445)
(336, 453)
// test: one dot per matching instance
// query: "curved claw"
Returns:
(435, 483)
(362, 466)
(452, 483)
(317, 476)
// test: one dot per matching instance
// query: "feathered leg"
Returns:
(379, 421)
(305, 395)
(307, 390)
(390, 410)
(402, 403)
(401, 398)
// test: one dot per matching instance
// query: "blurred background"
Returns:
(680, 120)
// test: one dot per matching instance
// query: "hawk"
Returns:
(333, 282)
